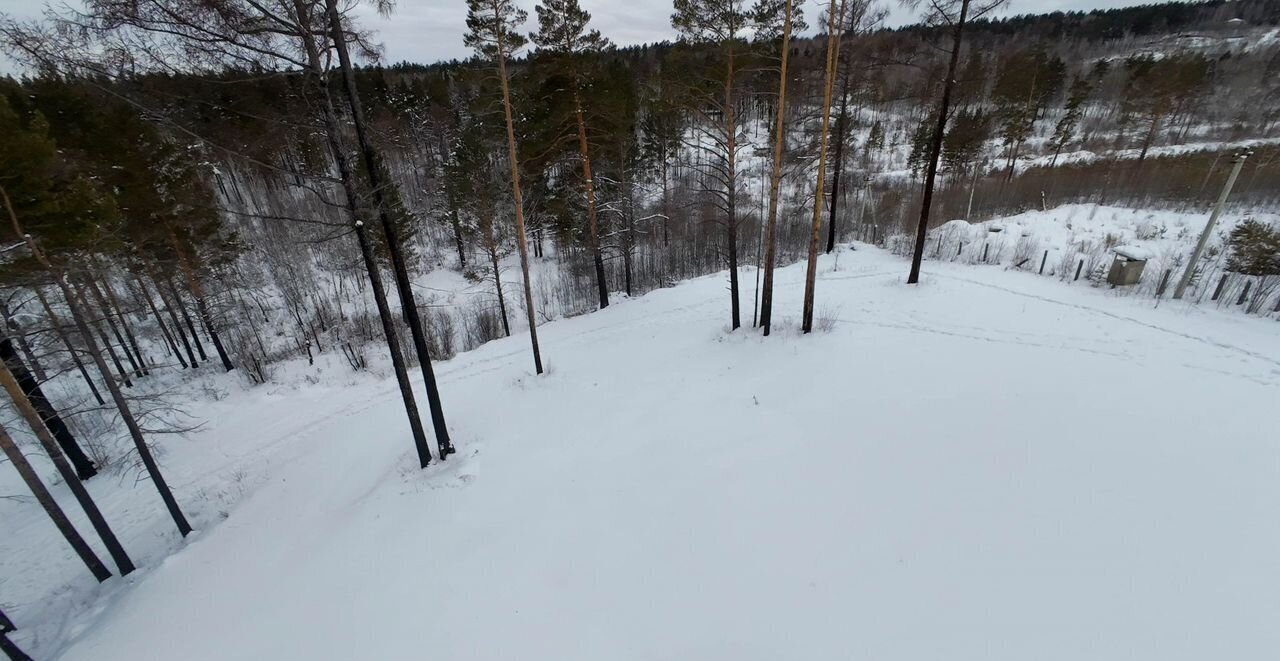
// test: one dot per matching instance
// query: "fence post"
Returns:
(1164, 282)
(1245, 293)
(985, 248)
(1221, 283)
(1043, 260)
(1079, 267)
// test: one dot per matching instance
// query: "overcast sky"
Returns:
(430, 30)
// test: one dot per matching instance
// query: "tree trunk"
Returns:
(35, 418)
(497, 285)
(30, 389)
(15, 331)
(347, 177)
(731, 201)
(122, 405)
(775, 178)
(87, 282)
(164, 330)
(196, 288)
(589, 188)
(124, 322)
(935, 148)
(1151, 136)
(399, 266)
(177, 324)
(56, 324)
(182, 307)
(811, 271)
(842, 124)
(106, 341)
(52, 508)
(7, 646)
(518, 200)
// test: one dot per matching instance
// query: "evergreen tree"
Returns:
(563, 35)
(493, 31)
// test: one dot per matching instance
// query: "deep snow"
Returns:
(988, 466)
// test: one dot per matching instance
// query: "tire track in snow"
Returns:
(1186, 336)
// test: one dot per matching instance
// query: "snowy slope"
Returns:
(989, 466)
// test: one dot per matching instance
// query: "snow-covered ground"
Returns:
(990, 465)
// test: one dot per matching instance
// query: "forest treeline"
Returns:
(222, 184)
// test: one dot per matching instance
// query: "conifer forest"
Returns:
(857, 329)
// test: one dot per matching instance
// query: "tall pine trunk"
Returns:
(51, 507)
(935, 146)
(842, 128)
(170, 306)
(811, 271)
(775, 178)
(589, 188)
(74, 305)
(518, 200)
(15, 331)
(164, 329)
(35, 419)
(87, 282)
(29, 388)
(56, 324)
(196, 286)
(399, 267)
(346, 177)
(731, 183)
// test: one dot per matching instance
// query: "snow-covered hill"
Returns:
(988, 466)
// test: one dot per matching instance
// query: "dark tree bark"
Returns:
(106, 341)
(378, 184)
(177, 324)
(56, 324)
(30, 388)
(124, 323)
(164, 329)
(15, 331)
(196, 287)
(346, 176)
(51, 507)
(775, 179)
(935, 145)
(74, 305)
(87, 282)
(7, 646)
(34, 418)
(837, 164)
(177, 302)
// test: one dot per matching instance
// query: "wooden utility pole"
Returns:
(811, 271)
(1238, 162)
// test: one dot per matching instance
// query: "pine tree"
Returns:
(492, 30)
(834, 29)
(1065, 130)
(386, 201)
(775, 173)
(563, 34)
(954, 14)
(722, 24)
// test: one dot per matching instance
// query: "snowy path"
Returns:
(991, 466)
